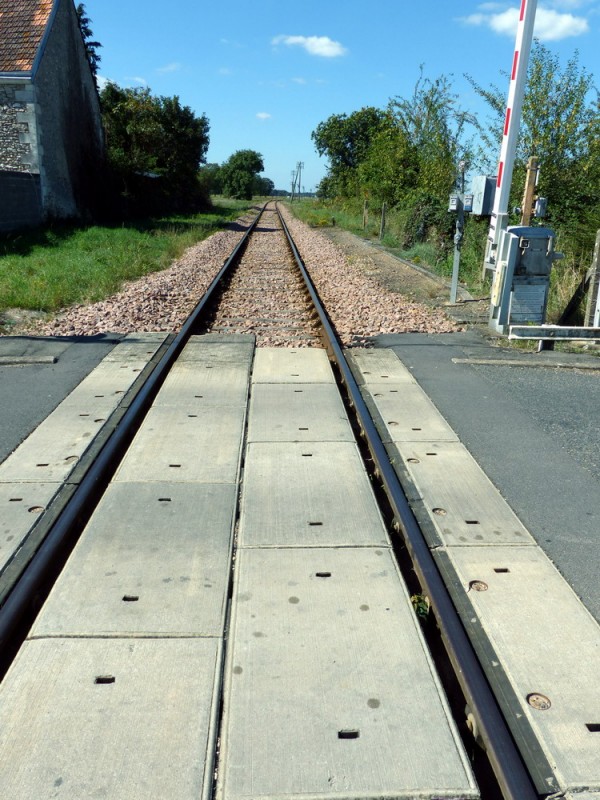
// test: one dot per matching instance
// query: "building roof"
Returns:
(22, 27)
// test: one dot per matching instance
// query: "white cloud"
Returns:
(136, 79)
(263, 115)
(314, 45)
(300, 81)
(102, 82)
(550, 25)
(174, 67)
(225, 71)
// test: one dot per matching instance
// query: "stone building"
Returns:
(51, 137)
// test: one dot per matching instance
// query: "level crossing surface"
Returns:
(531, 421)
(319, 627)
(329, 690)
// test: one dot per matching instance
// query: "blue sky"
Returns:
(266, 73)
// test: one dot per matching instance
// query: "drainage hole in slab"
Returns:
(36, 509)
(315, 523)
(130, 598)
(302, 429)
(298, 391)
(472, 521)
(416, 429)
(441, 512)
(84, 415)
(99, 420)
(71, 459)
(193, 416)
(413, 460)
(15, 500)
(323, 574)
(164, 499)
(42, 465)
(105, 679)
(348, 734)
(199, 396)
(175, 466)
(593, 727)
(101, 395)
(501, 569)
(393, 422)
(431, 454)
(307, 455)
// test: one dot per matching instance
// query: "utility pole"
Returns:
(293, 185)
(460, 227)
(300, 167)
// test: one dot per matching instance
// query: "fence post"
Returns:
(382, 226)
(592, 309)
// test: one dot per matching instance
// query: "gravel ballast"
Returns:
(358, 306)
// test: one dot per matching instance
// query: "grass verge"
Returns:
(64, 264)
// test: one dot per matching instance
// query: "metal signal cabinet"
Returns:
(522, 277)
(483, 189)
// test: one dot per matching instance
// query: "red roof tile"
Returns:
(22, 26)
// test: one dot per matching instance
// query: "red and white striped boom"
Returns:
(512, 121)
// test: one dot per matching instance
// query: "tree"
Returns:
(157, 140)
(240, 172)
(560, 126)
(210, 179)
(263, 186)
(345, 141)
(91, 47)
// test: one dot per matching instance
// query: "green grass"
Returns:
(61, 265)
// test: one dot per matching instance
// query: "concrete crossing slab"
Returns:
(196, 384)
(127, 718)
(378, 365)
(465, 511)
(137, 347)
(297, 413)
(20, 507)
(154, 560)
(404, 413)
(218, 351)
(291, 365)
(329, 690)
(178, 445)
(307, 495)
(53, 449)
(547, 644)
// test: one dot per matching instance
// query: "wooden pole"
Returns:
(365, 215)
(382, 226)
(530, 181)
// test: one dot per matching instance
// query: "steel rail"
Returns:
(80, 507)
(506, 762)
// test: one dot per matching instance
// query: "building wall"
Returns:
(20, 201)
(69, 121)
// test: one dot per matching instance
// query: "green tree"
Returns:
(263, 186)
(560, 126)
(155, 147)
(211, 179)
(240, 172)
(91, 46)
(345, 141)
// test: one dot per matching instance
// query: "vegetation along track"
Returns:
(280, 316)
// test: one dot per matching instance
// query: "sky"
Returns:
(267, 72)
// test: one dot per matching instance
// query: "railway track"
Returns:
(206, 664)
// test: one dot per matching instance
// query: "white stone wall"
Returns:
(19, 148)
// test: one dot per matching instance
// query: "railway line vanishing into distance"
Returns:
(262, 291)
